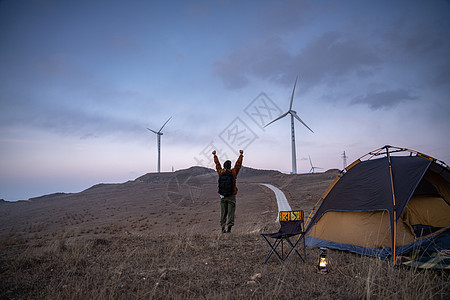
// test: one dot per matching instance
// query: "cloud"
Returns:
(83, 118)
(284, 16)
(127, 43)
(89, 136)
(333, 56)
(416, 37)
(264, 59)
(384, 100)
(55, 95)
(412, 41)
(231, 71)
(327, 58)
(442, 76)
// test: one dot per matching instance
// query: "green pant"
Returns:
(227, 208)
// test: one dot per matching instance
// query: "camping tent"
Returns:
(386, 203)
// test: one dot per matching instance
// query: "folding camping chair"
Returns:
(291, 225)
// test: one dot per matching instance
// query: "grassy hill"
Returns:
(157, 237)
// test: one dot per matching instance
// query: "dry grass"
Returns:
(108, 242)
(191, 265)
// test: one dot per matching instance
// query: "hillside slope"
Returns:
(158, 202)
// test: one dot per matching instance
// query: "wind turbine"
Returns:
(312, 167)
(159, 134)
(293, 114)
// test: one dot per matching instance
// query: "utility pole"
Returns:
(344, 157)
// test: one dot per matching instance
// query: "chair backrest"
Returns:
(291, 222)
(295, 215)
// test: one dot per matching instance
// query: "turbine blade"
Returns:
(152, 130)
(280, 117)
(293, 91)
(164, 124)
(310, 162)
(298, 118)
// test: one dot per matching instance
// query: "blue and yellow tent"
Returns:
(384, 204)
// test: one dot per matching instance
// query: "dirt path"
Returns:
(283, 204)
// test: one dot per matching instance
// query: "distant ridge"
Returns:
(164, 176)
(247, 172)
(197, 173)
(50, 196)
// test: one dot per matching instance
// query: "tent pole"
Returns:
(371, 152)
(393, 239)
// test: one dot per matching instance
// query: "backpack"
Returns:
(226, 183)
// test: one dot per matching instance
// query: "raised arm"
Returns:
(238, 164)
(217, 162)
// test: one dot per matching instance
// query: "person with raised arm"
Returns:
(227, 190)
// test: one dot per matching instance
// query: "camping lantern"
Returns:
(323, 261)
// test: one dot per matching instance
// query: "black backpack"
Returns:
(226, 183)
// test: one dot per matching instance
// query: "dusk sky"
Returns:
(81, 81)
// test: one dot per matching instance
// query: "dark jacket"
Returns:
(235, 170)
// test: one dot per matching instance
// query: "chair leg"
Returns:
(272, 249)
(304, 247)
(294, 250)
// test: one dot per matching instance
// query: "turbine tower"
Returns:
(159, 134)
(293, 114)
